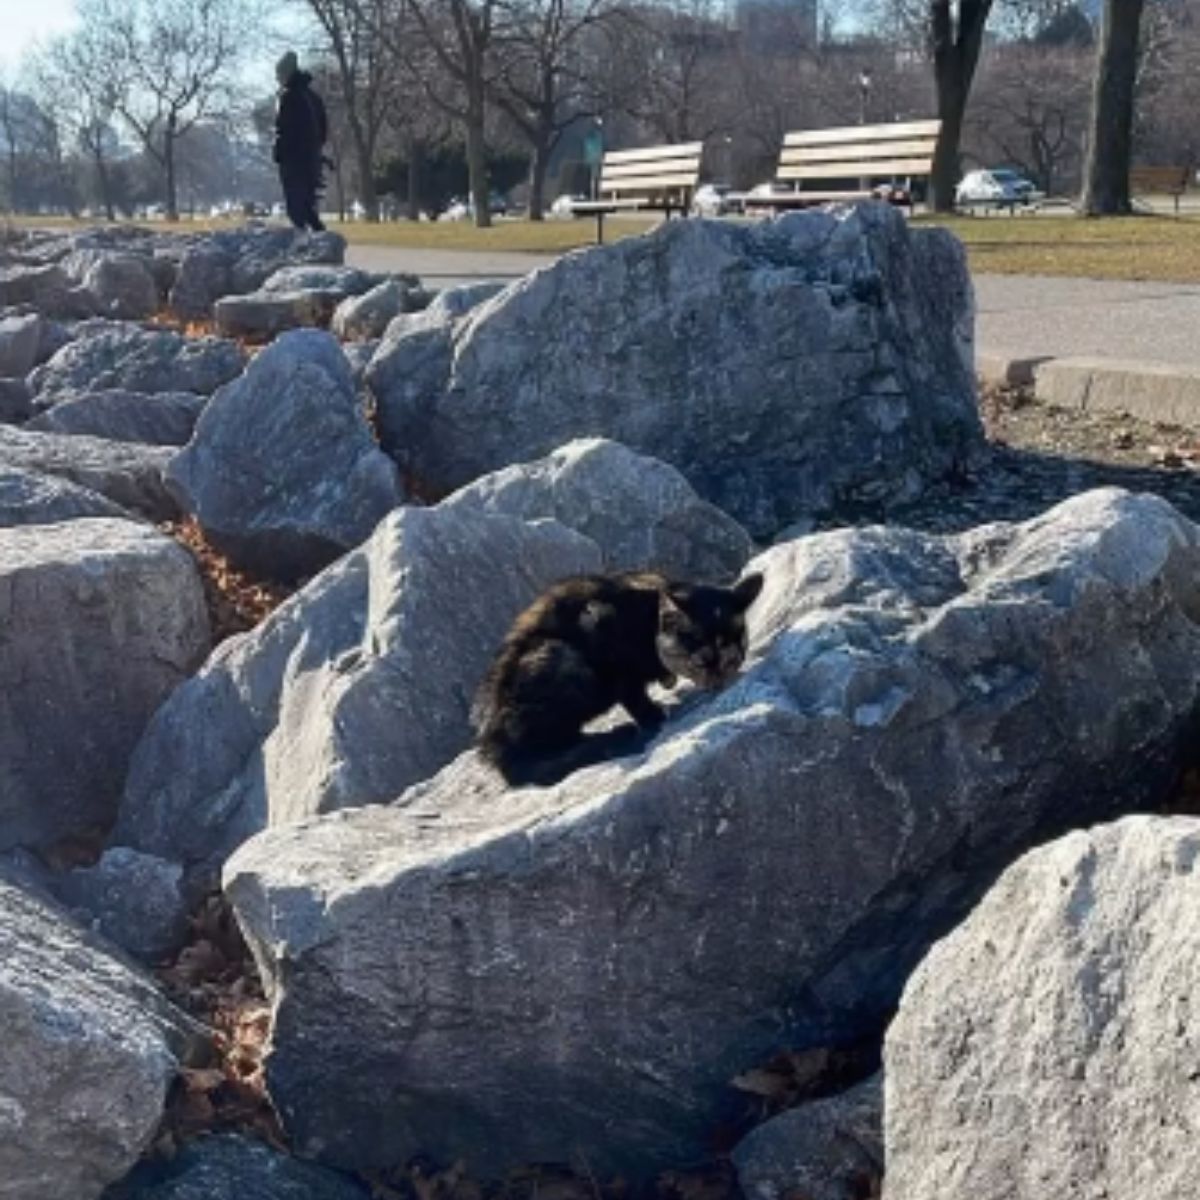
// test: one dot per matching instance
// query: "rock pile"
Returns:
(458, 972)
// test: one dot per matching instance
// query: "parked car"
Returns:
(998, 187)
(771, 188)
(564, 206)
(714, 200)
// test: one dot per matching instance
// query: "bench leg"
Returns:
(599, 229)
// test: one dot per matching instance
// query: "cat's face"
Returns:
(702, 630)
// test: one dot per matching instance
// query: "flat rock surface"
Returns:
(89, 1050)
(1049, 1046)
(915, 713)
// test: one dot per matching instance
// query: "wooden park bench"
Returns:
(856, 152)
(1159, 181)
(655, 178)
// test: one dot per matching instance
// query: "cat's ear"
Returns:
(746, 591)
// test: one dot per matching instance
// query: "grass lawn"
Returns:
(1161, 248)
(1148, 247)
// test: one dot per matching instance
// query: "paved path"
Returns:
(1019, 316)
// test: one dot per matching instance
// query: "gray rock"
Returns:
(55, 335)
(640, 512)
(827, 1150)
(139, 360)
(205, 275)
(367, 316)
(20, 337)
(44, 287)
(102, 618)
(154, 419)
(224, 1167)
(135, 900)
(359, 355)
(89, 1050)
(1046, 1048)
(31, 498)
(16, 401)
(123, 287)
(818, 364)
(353, 689)
(128, 474)
(332, 283)
(259, 253)
(261, 315)
(580, 970)
(282, 472)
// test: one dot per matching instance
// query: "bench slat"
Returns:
(793, 155)
(850, 134)
(626, 171)
(655, 153)
(649, 182)
(847, 170)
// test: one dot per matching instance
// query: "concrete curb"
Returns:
(1157, 392)
(1007, 370)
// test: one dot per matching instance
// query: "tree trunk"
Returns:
(537, 180)
(1110, 147)
(416, 162)
(365, 168)
(956, 45)
(477, 152)
(169, 164)
(105, 186)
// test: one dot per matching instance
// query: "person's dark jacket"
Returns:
(300, 124)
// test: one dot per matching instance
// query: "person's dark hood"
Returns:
(298, 79)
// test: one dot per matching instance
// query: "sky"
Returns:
(23, 22)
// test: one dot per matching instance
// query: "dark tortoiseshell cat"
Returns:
(592, 642)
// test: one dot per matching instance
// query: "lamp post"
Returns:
(864, 94)
(864, 101)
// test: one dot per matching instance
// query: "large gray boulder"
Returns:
(123, 286)
(136, 901)
(16, 401)
(32, 498)
(355, 688)
(282, 471)
(128, 474)
(226, 1167)
(20, 337)
(641, 513)
(1047, 1047)
(829, 1149)
(134, 359)
(102, 619)
(580, 970)
(332, 283)
(205, 275)
(44, 287)
(154, 419)
(260, 316)
(365, 316)
(821, 363)
(89, 1050)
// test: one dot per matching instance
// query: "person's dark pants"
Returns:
(300, 195)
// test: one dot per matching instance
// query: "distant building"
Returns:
(777, 26)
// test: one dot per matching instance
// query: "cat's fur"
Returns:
(594, 641)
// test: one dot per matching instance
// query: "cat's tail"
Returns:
(521, 765)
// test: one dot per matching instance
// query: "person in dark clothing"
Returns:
(301, 128)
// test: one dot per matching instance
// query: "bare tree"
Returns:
(366, 76)
(542, 82)
(174, 61)
(1110, 148)
(448, 47)
(73, 75)
(1031, 110)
